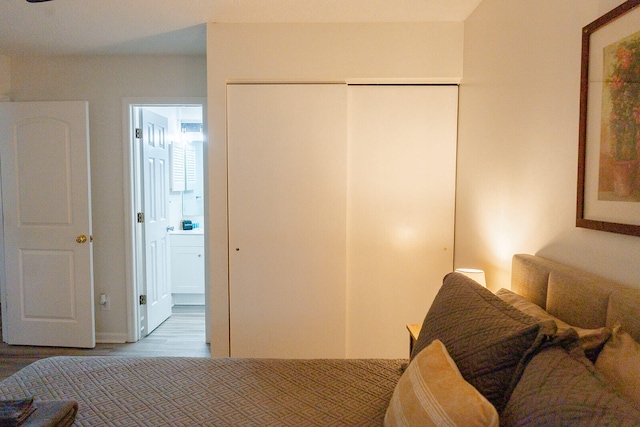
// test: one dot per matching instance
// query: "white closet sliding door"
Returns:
(287, 220)
(401, 197)
(341, 210)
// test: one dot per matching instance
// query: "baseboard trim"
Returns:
(111, 338)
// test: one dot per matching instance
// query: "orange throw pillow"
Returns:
(432, 392)
(619, 363)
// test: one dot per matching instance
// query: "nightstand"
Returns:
(414, 331)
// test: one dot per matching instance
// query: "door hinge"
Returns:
(140, 217)
(138, 133)
(143, 299)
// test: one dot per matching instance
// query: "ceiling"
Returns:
(165, 27)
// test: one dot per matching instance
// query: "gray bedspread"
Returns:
(179, 391)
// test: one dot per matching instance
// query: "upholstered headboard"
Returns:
(579, 298)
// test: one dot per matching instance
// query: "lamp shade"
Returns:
(472, 273)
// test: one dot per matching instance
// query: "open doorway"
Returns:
(167, 186)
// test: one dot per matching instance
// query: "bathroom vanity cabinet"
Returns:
(187, 267)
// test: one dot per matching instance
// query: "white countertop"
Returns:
(196, 231)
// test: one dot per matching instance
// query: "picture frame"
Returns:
(608, 197)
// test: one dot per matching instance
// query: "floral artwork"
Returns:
(608, 196)
(619, 179)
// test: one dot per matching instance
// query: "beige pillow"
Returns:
(588, 338)
(619, 363)
(432, 392)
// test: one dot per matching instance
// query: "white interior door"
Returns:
(287, 216)
(44, 155)
(155, 159)
(401, 200)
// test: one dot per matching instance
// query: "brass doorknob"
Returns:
(81, 238)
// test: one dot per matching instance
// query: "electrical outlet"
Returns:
(105, 302)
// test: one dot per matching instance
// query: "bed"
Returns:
(505, 355)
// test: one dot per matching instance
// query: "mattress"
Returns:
(181, 391)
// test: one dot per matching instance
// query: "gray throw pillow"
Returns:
(489, 340)
(560, 388)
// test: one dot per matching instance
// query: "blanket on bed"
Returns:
(114, 391)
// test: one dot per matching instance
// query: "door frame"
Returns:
(3, 283)
(134, 272)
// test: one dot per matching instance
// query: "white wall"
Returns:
(104, 81)
(518, 142)
(428, 52)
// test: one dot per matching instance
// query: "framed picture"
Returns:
(609, 138)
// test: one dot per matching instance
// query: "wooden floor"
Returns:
(183, 334)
